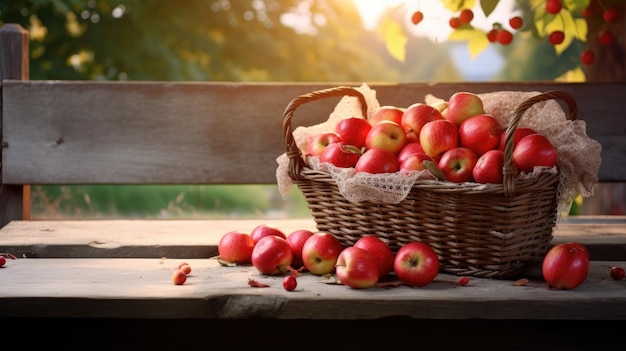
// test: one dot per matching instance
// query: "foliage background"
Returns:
(224, 40)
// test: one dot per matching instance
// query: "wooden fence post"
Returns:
(14, 199)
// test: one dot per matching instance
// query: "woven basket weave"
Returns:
(483, 230)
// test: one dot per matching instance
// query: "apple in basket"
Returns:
(439, 136)
(263, 230)
(488, 168)
(408, 150)
(534, 150)
(386, 135)
(272, 255)
(457, 164)
(341, 154)
(387, 113)
(380, 251)
(356, 268)
(353, 130)
(320, 252)
(415, 117)
(463, 105)
(415, 162)
(296, 240)
(236, 247)
(376, 161)
(319, 142)
(480, 133)
(416, 264)
(518, 134)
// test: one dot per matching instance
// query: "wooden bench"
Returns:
(97, 132)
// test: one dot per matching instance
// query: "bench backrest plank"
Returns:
(73, 132)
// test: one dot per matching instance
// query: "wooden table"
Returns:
(122, 269)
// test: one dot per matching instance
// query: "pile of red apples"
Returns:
(455, 139)
(359, 266)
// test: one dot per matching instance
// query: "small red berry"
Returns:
(466, 16)
(605, 37)
(617, 273)
(185, 268)
(455, 22)
(553, 6)
(417, 17)
(516, 22)
(556, 37)
(587, 57)
(609, 15)
(290, 283)
(179, 277)
(504, 37)
(3, 261)
(463, 281)
(586, 12)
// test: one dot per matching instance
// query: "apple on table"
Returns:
(379, 250)
(296, 240)
(416, 264)
(356, 268)
(236, 247)
(263, 230)
(320, 252)
(272, 255)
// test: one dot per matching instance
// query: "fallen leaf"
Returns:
(255, 284)
(520, 282)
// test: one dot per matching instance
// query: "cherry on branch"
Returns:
(516, 22)
(553, 6)
(587, 57)
(556, 37)
(609, 15)
(504, 37)
(466, 16)
(455, 22)
(605, 37)
(417, 17)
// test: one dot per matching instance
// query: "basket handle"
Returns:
(508, 169)
(296, 162)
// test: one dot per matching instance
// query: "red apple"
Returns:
(386, 135)
(341, 154)
(463, 105)
(377, 161)
(353, 130)
(565, 266)
(457, 164)
(387, 113)
(415, 162)
(380, 252)
(415, 117)
(272, 255)
(263, 230)
(480, 133)
(408, 150)
(488, 168)
(416, 264)
(534, 150)
(356, 268)
(518, 134)
(236, 247)
(319, 142)
(439, 136)
(320, 253)
(296, 240)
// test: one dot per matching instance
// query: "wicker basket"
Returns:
(495, 230)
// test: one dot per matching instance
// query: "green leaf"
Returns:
(576, 75)
(394, 37)
(488, 6)
(476, 39)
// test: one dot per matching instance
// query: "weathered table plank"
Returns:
(141, 288)
(605, 236)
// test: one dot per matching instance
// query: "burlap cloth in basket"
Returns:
(578, 155)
